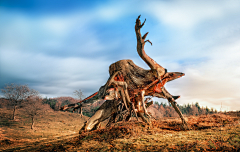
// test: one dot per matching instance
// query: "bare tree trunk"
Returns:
(32, 122)
(81, 112)
(14, 110)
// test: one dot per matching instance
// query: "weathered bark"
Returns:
(135, 76)
(133, 83)
(104, 112)
(156, 68)
(173, 103)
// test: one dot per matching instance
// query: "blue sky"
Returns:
(57, 47)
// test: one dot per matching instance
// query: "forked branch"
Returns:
(156, 68)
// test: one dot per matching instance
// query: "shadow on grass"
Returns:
(8, 123)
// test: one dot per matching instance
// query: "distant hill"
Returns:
(62, 99)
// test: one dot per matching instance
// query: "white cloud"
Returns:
(187, 14)
(50, 33)
(63, 74)
(202, 41)
(111, 11)
(57, 26)
(215, 81)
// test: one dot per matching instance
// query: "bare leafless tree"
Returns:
(33, 106)
(16, 94)
(79, 94)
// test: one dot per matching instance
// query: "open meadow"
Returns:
(91, 75)
(58, 131)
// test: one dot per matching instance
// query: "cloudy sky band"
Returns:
(57, 48)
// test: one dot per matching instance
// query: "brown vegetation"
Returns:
(166, 135)
(33, 107)
(49, 126)
(16, 94)
(58, 131)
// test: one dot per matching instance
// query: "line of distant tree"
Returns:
(187, 109)
(21, 96)
(164, 109)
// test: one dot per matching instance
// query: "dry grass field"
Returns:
(50, 126)
(58, 131)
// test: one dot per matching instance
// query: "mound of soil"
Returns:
(135, 128)
(119, 130)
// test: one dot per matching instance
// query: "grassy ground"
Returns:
(58, 131)
(49, 126)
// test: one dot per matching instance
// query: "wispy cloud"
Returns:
(66, 74)
(57, 53)
(189, 14)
